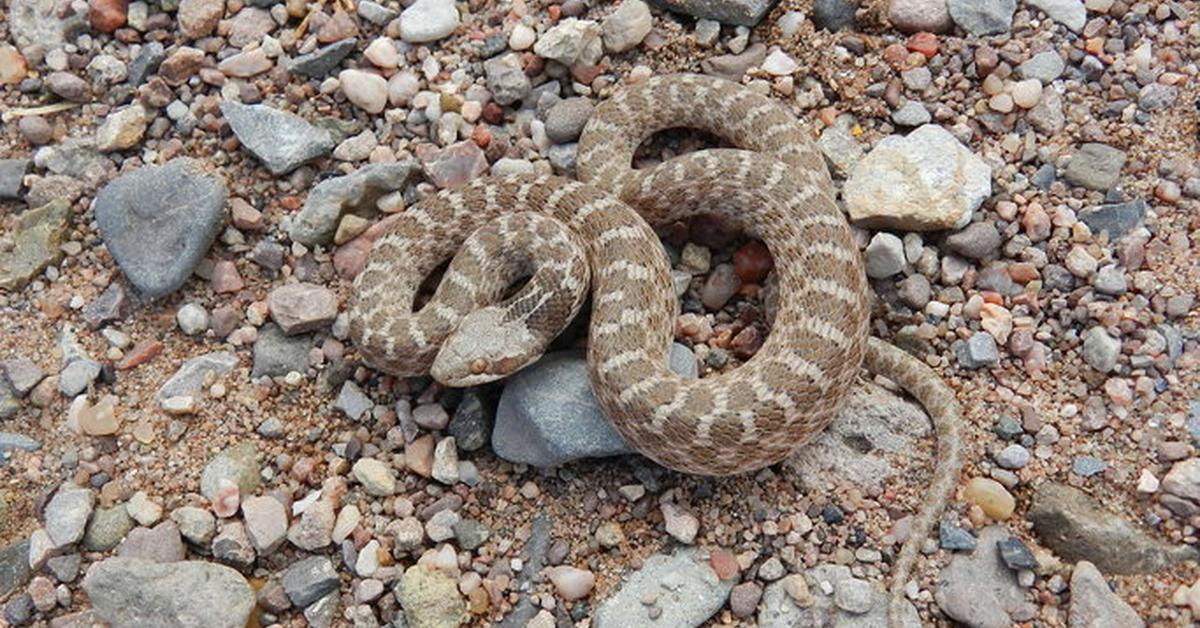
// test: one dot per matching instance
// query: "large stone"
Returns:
(924, 181)
(1095, 166)
(978, 589)
(190, 378)
(1069, 13)
(158, 222)
(67, 514)
(983, 18)
(36, 241)
(734, 12)
(428, 20)
(686, 590)
(43, 23)
(134, 593)
(14, 567)
(282, 141)
(786, 605)
(1094, 605)
(548, 415)
(354, 193)
(1075, 528)
(430, 599)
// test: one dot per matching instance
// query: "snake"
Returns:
(566, 236)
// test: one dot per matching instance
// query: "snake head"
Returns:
(484, 348)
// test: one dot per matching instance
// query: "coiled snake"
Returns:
(774, 185)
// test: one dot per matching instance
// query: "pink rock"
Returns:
(228, 499)
(456, 164)
(225, 277)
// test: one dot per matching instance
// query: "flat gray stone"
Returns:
(134, 593)
(276, 354)
(106, 528)
(1095, 166)
(67, 513)
(14, 567)
(1117, 219)
(1069, 13)
(159, 221)
(282, 141)
(354, 193)
(308, 580)
(37, 22)
(22, 373)
(1045, 66)
(983, 18)
(322, 61)
(237, 464)
(189, 379)
(12, 171)
(1094, 605)
(687, 590)
(735, 12)
(548, 415)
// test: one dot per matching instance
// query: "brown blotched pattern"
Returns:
(775, 186)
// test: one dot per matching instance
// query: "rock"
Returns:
(1156, 97)
(548, 416)
(978, 351)
(991, 497)
(308, 580)
(1183, 480)
(365, 90)
(733, 12)
(732, 67)
(195, 524)
(12, 171)
(1069, 13)
(884, 256)
(276, 354)
(627, 26)
(680, 524)
(266, 523)
(158, 239)
(978, 241)
(914, 16)
(246, 64)
(743, 599)
(122, 129)
(1013, 457)
(572, 41)
(375, 477)
(314, 530)
(199, 18)
(506, 78)
(911, 114)
(456, 164)
(1101, 350)
(1075, 528)
(355, 193)
(1045, 66)
(232, 545)
(469, 534)
(982, 18)
(686, 590)
(565, 120)
(977, 589)
(143, 510)
(428, 20)
(1095, 167)
(34, 22)
(13, 69)
(113, 304)
(841, 150)
(36, 240)
(192, 319)
(282, 141)
(10, 441)
(190, 379)
(857, 449)
(302, 307)
(138, 593)
(77, 376)
(445, 462)
(68, 87)
(106, 529)
(1094, 605)
(1015, 555)
(570, 583)
(954, 538)
(76, 158)
(66, 514)
(430, 599)
(237, 465)
(14, 567)
(146, 62)
(834, 15)
(160, 544)
(925, 181)
(322, 61)
(1117, 219)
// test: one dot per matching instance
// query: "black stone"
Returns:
(954, 538)
(1015, 555)
(320, 62)
(834, 15)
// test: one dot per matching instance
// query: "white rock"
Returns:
(572, 583)
(626, 27)
(572, 41)
(365, 90)
(382, 52)
(192, 319)
(521, 37)
(681, 524)
(375, 477)
(143, 510)
(428, 20)
(779, 63)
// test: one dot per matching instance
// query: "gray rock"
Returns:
(469, 534)
(471, 423)
(14, 567)
(376, 13)
(106, 528)
(686, 588)
(565, 120)
(158, 222)
(237, 464)
(65, 568)
(1117, 219)
(146, 62)
(858, 447)
(977, 351)
(562, 158)
(77, 376)
(36, 241)
(78, 158)
(1094, 605)
(428, 20)
(197, 525)
(38, 22)
(1045, 66)
(884, 256)
(308, 580)
(232, 545)
(506, 78)
(10, 441)
(323, 612)
(1110, 280)
(22, 373)
(548, 416)
(911, 114)
(1101, 350)
(735, 12)
(1013, 457)
(1075, 528)
(12, 171)
(840, 149)
(189, 379)
(322, 61)
(732, 67)
(67, 513)
(112, 305)
(954, 538)
(1069, 13)
(779, 610)
(352, 401)
(1156, 97)
(141, 594)
(979, 241)
(982, 18)
(1047, 116)
(354, 193)
(160, 544)
(1087, 466)
(276, 354)
(19, 610)
(1015, 555)
(977, 589)
(834, 15)
(1095, 166)
(282, 141)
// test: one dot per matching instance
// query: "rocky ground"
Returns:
(188, 188)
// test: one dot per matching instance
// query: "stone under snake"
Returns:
(562, 233)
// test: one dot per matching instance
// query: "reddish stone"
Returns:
(924, 43)
(107, 15)
(895, 54)
(141, 353)
(555, 12)
(181, 65)
(481, 135)
(349, 258)
(724, 564)
(753, 262)
(585, 74)
(1023, 272)
(493, 113)
(225, 277)
(290, 202)
(746, 343)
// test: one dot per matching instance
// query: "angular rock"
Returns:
(160, 544)
(1117, 219)
(12, 171)
(237, 465)
(1069, 13)
(1094, 605)
(141, 594)
(190, 378)
(36, 241)
(355, 193)
(106, 529)
(276, 354)
(232, 545)
(456, 164)
(321, 61)
(983, 18)
(430, 599)
(924, 181)
(627, 26)
(1095, 166)
(282, 141)
(14, 567)
(266, 523)
(67, 514)
(733, 12)
(572, 41)
(506, 78)
(158, 222)
(40, 23)
(684, 585)
(977, 589)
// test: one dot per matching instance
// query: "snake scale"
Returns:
(563, 234)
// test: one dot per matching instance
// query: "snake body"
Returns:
(774, 186)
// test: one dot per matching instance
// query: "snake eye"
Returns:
(479, 366)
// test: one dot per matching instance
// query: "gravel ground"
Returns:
(188, 187)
